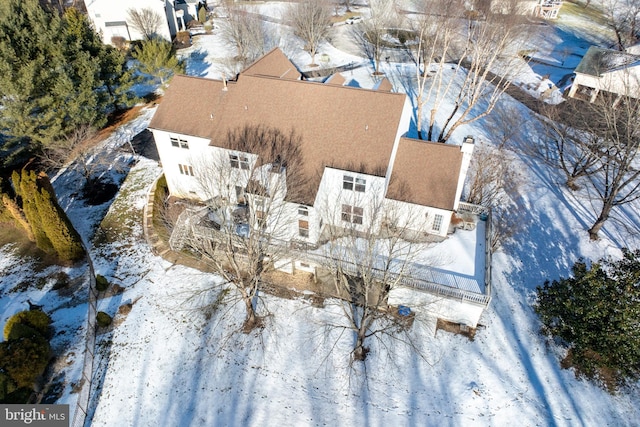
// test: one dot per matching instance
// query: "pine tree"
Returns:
(32, 70)
(55, 74)
(597, 313)
(157, 58)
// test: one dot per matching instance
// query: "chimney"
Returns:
(224, 84)
(466, 149)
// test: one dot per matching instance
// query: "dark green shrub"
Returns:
(35, 319)
(101, 283)
(24, 360)
(595, 312)
(103, 319)
(20, 330)
(7, 386)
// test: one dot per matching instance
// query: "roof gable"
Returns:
(273, 64)
(425, 173)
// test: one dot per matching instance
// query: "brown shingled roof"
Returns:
(342, 127)
(336, 80)
(274, 64)
(425, 173)
(384, 85)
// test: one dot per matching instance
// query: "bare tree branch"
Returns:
(146, 21)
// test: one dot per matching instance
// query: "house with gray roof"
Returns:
(606, 71)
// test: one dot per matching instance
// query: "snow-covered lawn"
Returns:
(168, 362)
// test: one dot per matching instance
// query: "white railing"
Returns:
(416, 279)
(472, 209)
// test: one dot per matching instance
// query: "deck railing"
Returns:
(413, 279)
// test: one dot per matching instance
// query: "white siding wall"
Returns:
(181, 185)
(332, 196)
(420, 219)
(102, 12)
(623, 82)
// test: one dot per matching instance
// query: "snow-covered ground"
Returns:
(168, 362)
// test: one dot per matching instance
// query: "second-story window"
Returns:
(354, 184)
(303, 211)
(347, 182)
(239, 161)
(179, 142)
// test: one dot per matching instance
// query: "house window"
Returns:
(303, 228)
(303, 211)
(437, 222)
(348, 183)
(186, 170)
(239, 161)
(352, 214)
(179, 142)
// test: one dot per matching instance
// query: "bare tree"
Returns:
(371, 33)
(455, 69)
(76, 147)
(435, 37)
(366, 258)
(146, 21)
(623, 17)
(617, 182)
(493, 181)
(249, 222)
(504, 124)
(566, 144)
(246, 32)
(310, 20)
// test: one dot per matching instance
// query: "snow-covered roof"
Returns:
(598, 60)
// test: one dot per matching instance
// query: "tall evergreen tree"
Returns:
(49, 224)
(55, 74)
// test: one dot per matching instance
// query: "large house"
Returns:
(606, 71)
(354, 155)
(111, 18)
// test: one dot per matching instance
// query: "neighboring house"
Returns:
(111, 19)
(354, 146)
(606, 71)
(547, 9)
(189, 9)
